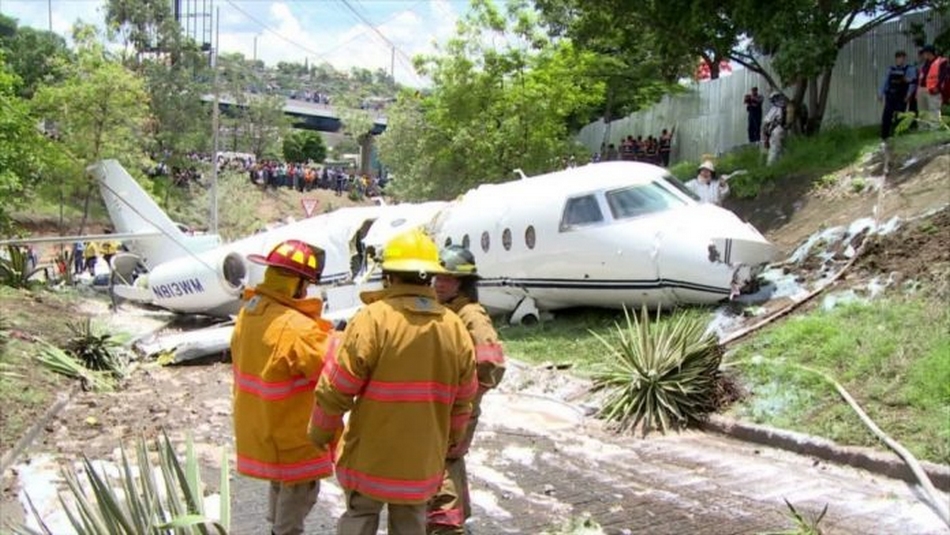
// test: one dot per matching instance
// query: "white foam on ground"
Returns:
(519, 455)
(40, 480)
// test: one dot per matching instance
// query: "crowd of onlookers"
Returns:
(654, 150)
(306, 177)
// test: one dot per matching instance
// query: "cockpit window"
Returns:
(641, 200)
(675, 182)
(581, 211)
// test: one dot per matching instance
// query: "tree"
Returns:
(99, 109)
(265, 125)
(803, 39)
(491, 109)
(303, 146)
(35, 56)
(147, 26)
(24, 152)
(637, 63)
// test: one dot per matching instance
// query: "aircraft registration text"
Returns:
(178, 289)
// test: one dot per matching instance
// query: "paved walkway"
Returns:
(537, 463)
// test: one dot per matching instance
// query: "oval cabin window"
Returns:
(529, 237)
(486, 241)
(465, 241)
(506, 239)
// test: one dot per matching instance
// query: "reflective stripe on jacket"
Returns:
(489, 361)
(277, 351)
(411, 366)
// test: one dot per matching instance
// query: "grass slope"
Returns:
(810, 158)
(892, 355)
(28, 388)
(569, 338)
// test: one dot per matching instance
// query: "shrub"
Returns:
(170, 504)
(661, 374)
(96, 350)
(15, 268)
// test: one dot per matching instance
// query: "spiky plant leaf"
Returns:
(661, 374)
(137, 508)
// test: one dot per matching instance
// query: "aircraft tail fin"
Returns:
(133, 211)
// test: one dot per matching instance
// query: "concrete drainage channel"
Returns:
(881, 463)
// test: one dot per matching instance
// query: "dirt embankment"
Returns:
(920, 251)
(794, 208)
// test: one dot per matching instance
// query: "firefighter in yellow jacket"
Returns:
(278, 349)
(410, 364)
(458, 290)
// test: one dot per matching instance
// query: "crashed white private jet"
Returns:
(605, 235)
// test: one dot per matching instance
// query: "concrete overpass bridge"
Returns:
(306, 115)
(315, 116)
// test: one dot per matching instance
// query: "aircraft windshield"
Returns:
(641, 200)
(675, 182)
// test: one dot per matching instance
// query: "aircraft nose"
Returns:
(733, 241)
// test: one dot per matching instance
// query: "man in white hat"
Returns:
(706, 186)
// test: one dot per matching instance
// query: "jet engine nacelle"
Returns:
(201, 284)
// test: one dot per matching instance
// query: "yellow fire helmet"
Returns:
(412, 252)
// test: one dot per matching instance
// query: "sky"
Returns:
(295, 30)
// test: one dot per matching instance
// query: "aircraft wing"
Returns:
(75, 238)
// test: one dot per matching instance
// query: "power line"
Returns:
(271, 30)
(408, 66)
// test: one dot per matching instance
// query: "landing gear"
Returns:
(526, 313)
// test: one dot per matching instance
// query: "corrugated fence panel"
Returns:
(711, 119)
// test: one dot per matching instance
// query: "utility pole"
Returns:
(255, 49)
(392, 63)
(49, 12)
(215, 122)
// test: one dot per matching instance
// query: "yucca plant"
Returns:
(661, 374)
(63, 363)
(151, 497)
(95, 349)
(15, 269)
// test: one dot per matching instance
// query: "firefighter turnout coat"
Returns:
(410, 364)
(489, 359)
(278, 349)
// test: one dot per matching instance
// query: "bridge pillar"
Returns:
(366, 154)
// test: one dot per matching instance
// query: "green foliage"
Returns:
(15, 267)
(35, 56)
(302, 146)
(635, 59)
(579, 525)
(806, 158)
(138, 501)
(491, 109)
(803, 525)
(95, 349)
(889, 353)
(61, 362)
(663, 374)
(24, 152)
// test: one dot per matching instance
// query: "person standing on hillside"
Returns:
(934, 82)
(896, 91)
(666, 146)
(773, 128)
(277, 350)
(458, 290)
(753, 107)
(406, 369)
(706, 186)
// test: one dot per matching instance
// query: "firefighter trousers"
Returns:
(449, 508)
(362, 517)
(289, 505)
